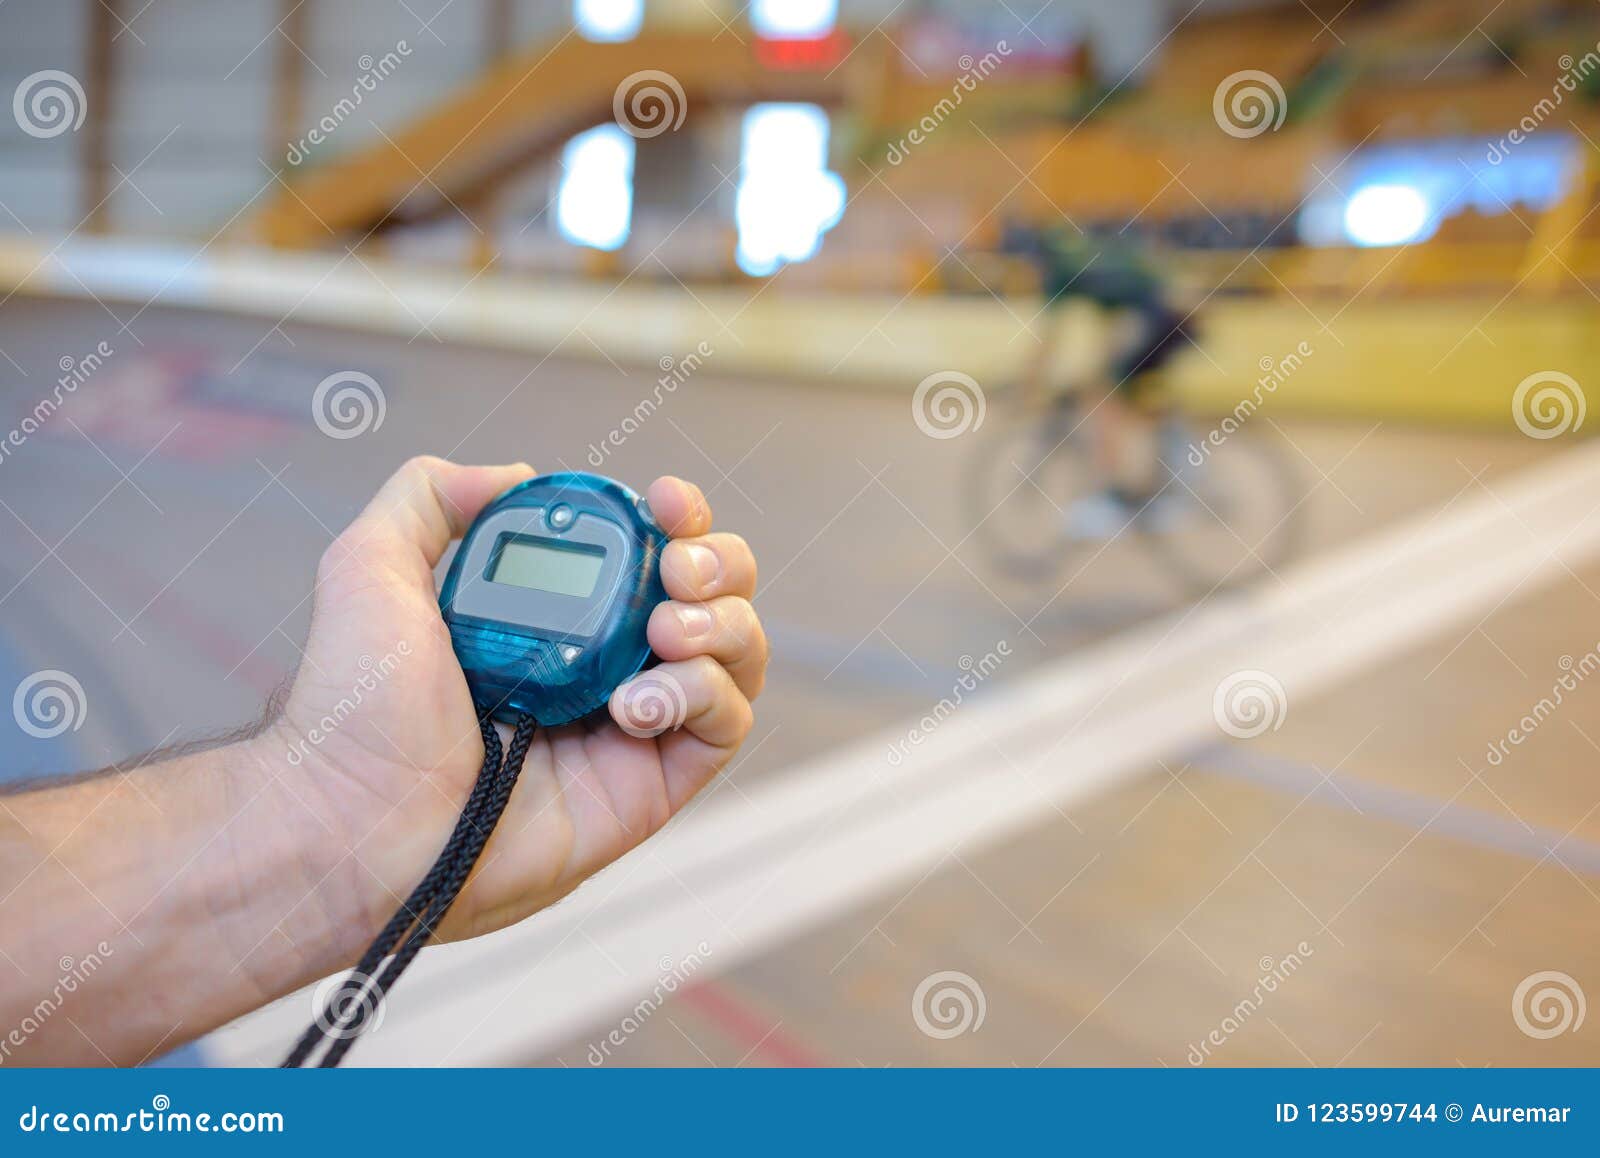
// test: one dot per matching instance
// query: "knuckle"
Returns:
(422, 464)
(745, 717)
(752, 634)
(738, 551)
(712, 677)
(338, 553)
(422, 468)
(740, 618)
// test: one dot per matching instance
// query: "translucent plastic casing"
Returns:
(555, 655)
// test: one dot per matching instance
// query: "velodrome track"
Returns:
(1082, 841)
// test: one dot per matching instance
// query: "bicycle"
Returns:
(1222, 507)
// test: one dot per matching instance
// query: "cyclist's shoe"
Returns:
(1164, 512)
(1100, 516)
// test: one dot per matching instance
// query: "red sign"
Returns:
(804, 54)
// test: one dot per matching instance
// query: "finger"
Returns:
(697, 695)
(710, 565)
(726, 629)
(430, 501)
(679, 507)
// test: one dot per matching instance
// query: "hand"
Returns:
(380, 736)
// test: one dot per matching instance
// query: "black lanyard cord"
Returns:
(459, 862)
(351, 993)
(361, 994)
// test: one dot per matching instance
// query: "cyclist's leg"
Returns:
(1138, 404)
(1123, 435)
(1109, 425)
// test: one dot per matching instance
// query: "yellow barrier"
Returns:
(1454, 360)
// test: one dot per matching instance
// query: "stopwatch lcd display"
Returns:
(560, 570)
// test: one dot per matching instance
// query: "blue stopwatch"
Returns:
(547, 601)
(549, 594)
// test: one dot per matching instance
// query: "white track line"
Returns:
(752, 869)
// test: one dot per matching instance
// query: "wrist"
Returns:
(298, 904)
(363, 832)
(200, 888)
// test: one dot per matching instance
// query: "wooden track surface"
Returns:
(1370, 826)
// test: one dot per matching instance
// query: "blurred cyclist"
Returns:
(1124, 398)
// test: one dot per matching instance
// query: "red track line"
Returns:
(748, 1028)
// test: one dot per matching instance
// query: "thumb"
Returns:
(430, 501)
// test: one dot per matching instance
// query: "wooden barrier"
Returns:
(1444, 359)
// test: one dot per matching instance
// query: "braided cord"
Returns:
(351, 992)
(459, 864)
(362, 993)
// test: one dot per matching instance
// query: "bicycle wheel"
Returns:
(1226, 513)
(1022, 479)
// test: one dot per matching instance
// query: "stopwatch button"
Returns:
(569, 652)
(559, 517)
(647, 514)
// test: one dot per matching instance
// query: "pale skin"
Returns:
(1115, 424)
(203, 886)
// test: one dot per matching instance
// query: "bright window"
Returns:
(1387, 215)
(1400, 192)
(787, 199)
(793, 19)
(608, 20)
(595, 204)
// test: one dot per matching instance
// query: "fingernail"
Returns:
(695, 621)
(703, 562)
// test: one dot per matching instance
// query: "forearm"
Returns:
(140, 910)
